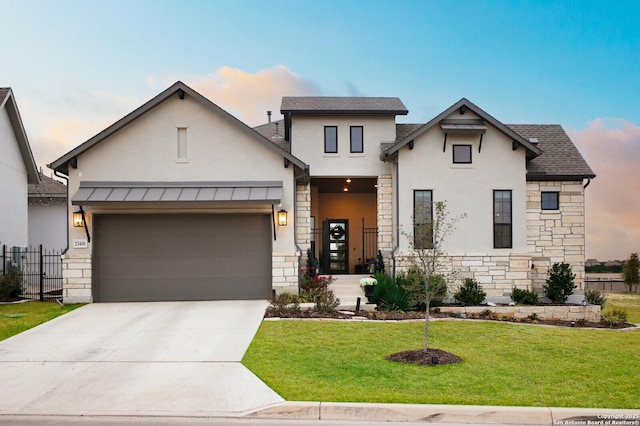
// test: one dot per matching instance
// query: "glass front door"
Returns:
(335, 248)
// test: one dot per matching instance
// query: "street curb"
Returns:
(465, 414)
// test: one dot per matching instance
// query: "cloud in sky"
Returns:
(248, 96)
(612, 149)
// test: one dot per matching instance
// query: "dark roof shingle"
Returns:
(344, 105)
(4, 91)
(268, 130)
(560, 159)
(47, 187)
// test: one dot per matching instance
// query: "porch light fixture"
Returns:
(345, 189)
(282, 217)
(79, 221)
(78, 218)
(348, 180)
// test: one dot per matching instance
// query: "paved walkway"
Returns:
(149, 359)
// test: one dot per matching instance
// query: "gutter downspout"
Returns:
(587, 184)
(61, 176)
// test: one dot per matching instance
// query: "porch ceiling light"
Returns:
(345, 189)
(348, 180)
(282, 217)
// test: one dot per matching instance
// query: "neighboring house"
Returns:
(182, 201)
(17, 170)
(48, 214)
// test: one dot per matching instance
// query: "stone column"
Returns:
(385, 217)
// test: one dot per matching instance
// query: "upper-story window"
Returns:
(330, 139)
(462, 154)
(550, 200)
(357, 143)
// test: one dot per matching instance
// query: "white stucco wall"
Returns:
(147, 150)
(13, 187)
(466, 188)
(307, 143)
(48, 223)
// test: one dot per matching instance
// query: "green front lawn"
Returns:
(629, 302)
(18, 317)
(504, 364)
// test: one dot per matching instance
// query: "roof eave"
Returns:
(562, 177)
(21, 135)
(343, 112)
(61, 165)
(532, 150)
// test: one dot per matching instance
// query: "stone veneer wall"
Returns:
(385, 218)
(285, 266)
(497, 274)
(76, 278)
(589, 313)
(556, 235)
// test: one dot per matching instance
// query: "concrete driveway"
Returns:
(161, 358)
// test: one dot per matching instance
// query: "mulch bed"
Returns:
(428, 357)
(400, 316)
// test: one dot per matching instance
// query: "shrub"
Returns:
(327, 302)
(11, 283)
(415, 287)
(615, 317)
(485, 314)
(470, 293)
(313, 285)
(389, 296)
(559, 284)
(283, 304)
(595, 297)
(524, 297)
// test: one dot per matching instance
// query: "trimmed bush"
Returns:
(389, 296)
(595, 297)
(284, 303)
(11, 283)
(327, 302)
(524, 297)
(470, 293)
(559, 284)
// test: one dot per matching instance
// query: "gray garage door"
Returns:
(181, 257)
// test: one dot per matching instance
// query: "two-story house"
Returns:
(181, 201)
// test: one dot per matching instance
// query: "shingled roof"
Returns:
(48, 187)
(4, 91)
(560, 159)
(342, 105)
(268, 130)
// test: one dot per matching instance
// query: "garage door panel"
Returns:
(182, 257)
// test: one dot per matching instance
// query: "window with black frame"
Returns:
(423, 219)
(502, 229)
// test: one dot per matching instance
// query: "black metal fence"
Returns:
(41, 271)
(608, 284)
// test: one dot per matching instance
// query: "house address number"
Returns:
(78, 244)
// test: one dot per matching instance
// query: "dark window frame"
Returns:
(418, 244)
(550, 203)
(500, 226)
(457, 161)
(326, 128)
(353, 151)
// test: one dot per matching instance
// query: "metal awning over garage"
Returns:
(100, 193)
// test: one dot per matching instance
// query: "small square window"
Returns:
(462, 154)
(357, 145)
(331, 139)
(550, 200)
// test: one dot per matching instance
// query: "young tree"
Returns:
(631, 271)
(431, 227)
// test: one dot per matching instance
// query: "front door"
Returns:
(335, 247)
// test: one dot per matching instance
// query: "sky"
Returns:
(77, 66)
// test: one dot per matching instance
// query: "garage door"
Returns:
(181, 257)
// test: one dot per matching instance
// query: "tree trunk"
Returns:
(426, 327)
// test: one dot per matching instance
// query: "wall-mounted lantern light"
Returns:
(282, 217)
(80, 221)
(78, 218)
